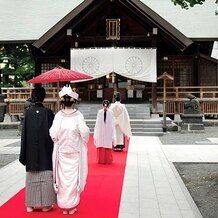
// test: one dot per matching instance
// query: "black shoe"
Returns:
(118, 149)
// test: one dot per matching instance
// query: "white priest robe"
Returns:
(70, 167)
(122, 121)
(104, 132)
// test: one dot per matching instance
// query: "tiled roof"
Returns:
(28, 20)
(199, 21)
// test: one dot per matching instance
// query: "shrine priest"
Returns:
(122, 122)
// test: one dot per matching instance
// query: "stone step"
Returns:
(139, 127)
(135, 126)
(91, 116)
(140, 118)
(147, 133)
(141, 133)
(147, 129)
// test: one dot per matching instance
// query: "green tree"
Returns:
(20, 65)
(186, 4)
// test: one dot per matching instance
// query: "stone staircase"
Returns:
(140, 119)
(152, 127)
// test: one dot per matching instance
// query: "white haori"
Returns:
(104, 132)
(122, 121)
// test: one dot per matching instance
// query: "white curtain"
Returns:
(135, 63)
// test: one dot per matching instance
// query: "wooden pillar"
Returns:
(154, 98)
(164, 106)
(165, 76)
(154, 85)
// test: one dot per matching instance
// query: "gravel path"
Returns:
(177, 137)
(201, 179)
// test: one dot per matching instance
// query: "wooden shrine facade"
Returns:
(127, 23)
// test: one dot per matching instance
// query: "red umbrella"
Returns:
(59, 74)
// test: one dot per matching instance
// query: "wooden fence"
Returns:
(175, 98)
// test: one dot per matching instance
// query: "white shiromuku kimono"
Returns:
(104, 132)
(122, 121)
(70, 165)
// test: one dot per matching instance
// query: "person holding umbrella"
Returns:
(70, 135)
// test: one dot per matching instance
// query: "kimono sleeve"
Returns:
(124, 122)
(22, 156)
(83, 129)
(54, 130)
(97, 127)
(114, 135)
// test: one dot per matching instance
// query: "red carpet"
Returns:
(100, 199)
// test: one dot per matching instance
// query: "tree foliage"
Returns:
(186, 4)
(20, 65)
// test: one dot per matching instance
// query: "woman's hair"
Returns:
(67, 101)
(38, 94)
(106, 104)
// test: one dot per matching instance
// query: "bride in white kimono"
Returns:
(70, 135)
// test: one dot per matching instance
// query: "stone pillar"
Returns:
(192, 123)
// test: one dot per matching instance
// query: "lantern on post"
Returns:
(165, 76)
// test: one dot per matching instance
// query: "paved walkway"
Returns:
(152, 186)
